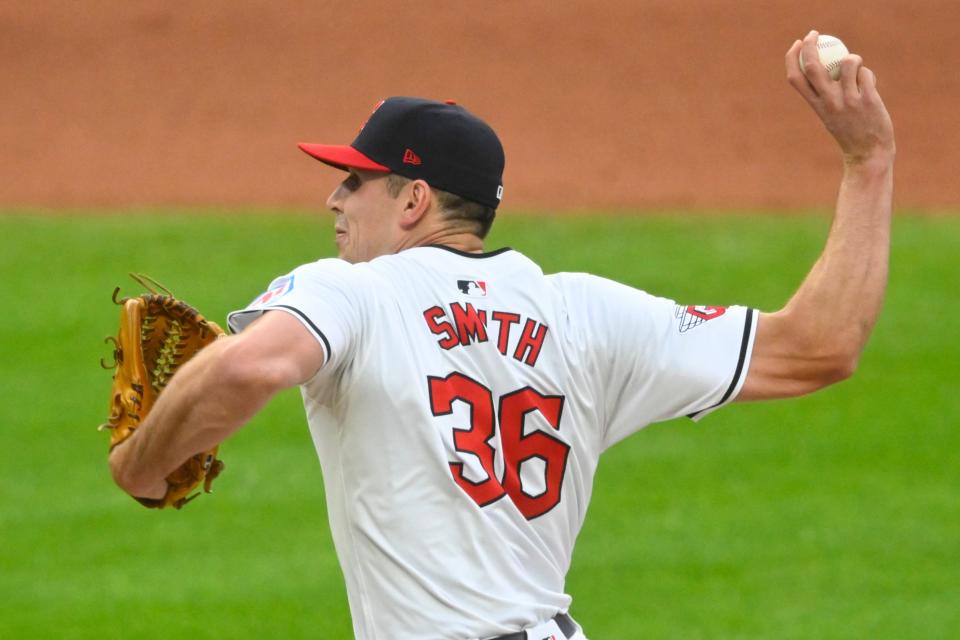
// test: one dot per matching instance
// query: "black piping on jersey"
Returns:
(316, 329)
(489, 254)
(747, 325)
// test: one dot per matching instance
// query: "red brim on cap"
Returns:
(341, 156)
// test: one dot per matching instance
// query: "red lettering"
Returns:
(471, 325)
(432, 316)
(474, 439)
(505, 319)
(518, 448)
(531, 341)
(517, 445)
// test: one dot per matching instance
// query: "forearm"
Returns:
(836, 307)
(204, 403)
(817, 338)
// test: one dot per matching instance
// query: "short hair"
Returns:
(454, 207)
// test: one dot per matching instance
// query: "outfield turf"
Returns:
(832, 516)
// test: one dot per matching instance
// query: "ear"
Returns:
(418, 198)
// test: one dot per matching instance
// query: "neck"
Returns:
(455, 239)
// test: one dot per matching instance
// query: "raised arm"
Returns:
(212, 396)
(817, 338)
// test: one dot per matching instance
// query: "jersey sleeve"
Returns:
(325, 296)
(661, 360)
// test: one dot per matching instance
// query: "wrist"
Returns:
(879, 160)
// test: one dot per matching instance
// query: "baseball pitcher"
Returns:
(459, 398)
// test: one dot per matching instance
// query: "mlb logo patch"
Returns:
(473, 288)
(278, 288)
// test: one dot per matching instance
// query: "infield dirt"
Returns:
(609, 105)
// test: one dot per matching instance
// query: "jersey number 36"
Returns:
(517, 446)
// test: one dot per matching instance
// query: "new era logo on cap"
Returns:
(409, 157)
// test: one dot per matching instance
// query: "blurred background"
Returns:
(612, 105)
(652, 142)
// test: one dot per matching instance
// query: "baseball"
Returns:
(832, 51)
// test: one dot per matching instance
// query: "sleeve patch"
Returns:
(277, 289)
(693, 316)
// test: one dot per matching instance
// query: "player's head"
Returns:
(410, 154)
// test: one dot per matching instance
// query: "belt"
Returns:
(565, 622)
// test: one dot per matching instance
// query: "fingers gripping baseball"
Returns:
(851, 109)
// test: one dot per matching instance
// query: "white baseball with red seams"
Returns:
(832, 52)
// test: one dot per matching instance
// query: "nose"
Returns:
(333, 201)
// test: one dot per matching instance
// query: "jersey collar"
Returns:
(465, 254)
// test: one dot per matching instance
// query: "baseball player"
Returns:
(459, 399)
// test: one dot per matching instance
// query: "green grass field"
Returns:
(831, 516)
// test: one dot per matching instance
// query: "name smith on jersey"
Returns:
(465, 325)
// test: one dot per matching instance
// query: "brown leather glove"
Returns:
(158, 334)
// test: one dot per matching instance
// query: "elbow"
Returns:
(841, 370)
(807, 375)
(250, 375)
(821, 364)
(117, 470)
(845, 355)
(125, 474)
(792, 359)
(837, 367)
(833, 355)
(849, 366)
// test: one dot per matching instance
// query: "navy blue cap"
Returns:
(439, 142)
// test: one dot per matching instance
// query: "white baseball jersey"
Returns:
(460, 415)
